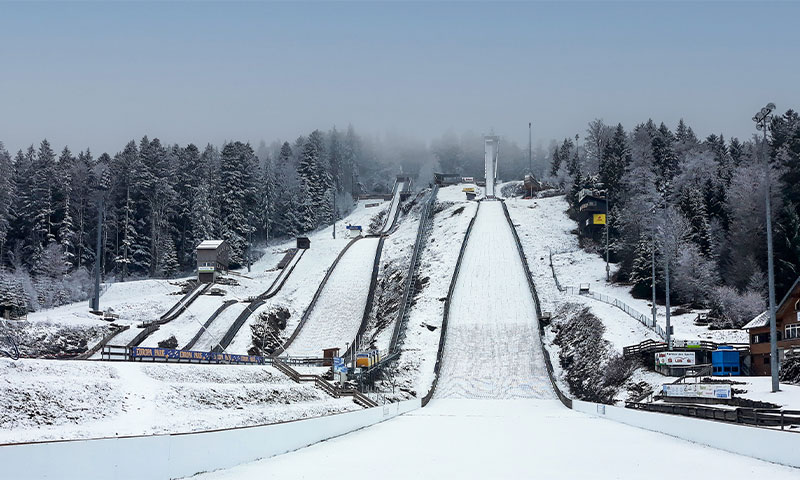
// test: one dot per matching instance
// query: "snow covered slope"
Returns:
(508, 439)
(491, 345)
(218, 327)
(338, 312)
(50, 399)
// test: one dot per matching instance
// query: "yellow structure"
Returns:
(599, 219)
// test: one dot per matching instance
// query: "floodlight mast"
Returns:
(762, 119)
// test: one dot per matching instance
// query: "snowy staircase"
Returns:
(319, 382)
(410, 288)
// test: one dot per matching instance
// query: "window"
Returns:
(766, 359)
(761, 338)
(792, 331)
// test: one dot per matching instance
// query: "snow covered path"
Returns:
(492, 349)
(509, 439)
(335, 319)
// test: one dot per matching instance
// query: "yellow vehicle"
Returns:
(368, 359)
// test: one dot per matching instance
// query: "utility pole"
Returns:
(334, 210)
(98, 251)
(608, 269)
(530, 157)
(762, 118)
(653, 277)
(667, 255)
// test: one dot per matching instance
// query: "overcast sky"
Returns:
(98, 75)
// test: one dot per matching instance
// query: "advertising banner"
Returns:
(697, 390)
(599, 218)
(675, 358)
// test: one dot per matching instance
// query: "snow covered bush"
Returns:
(594, 372)
(790, 370)
(731, 309)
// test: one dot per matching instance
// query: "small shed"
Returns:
(328, 354)
(303, 243)
(213, 257)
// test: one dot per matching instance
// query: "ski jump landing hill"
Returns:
(340, 308)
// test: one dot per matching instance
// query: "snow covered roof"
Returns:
(210, 244)
(760, 320)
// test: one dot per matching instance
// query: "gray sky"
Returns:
(98, 75)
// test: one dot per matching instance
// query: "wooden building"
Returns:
(787, 321)
(592, 209)
(213, 257)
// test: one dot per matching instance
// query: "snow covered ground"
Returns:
(336, 316)
(51, 399)
(509, 439)
(452, 214)
(491, 345)
(543, 225)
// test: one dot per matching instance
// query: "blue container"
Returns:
(725, 362)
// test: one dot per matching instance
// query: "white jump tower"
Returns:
(491, 149)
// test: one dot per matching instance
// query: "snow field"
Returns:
(492, 349)
(50, 400)
(508, 439)
(337, 315)
(544, 226)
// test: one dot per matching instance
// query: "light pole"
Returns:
(762, 119)
(667, 257)
(100, 188)
(530, 158)
(608, 269)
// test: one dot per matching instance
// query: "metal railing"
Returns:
(645, 320)
(772, 418)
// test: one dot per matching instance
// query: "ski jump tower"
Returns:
(491, 148)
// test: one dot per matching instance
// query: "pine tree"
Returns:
(238, 187)
(615, 160)
(6, 197)
(41, 200)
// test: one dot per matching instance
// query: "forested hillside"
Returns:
(159, 201)
(699, 202)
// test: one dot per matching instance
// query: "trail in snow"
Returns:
(335, 319)
(492, 349)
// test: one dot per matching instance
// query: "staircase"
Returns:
(319, 382)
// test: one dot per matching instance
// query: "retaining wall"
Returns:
(761, 443)
(180, 455)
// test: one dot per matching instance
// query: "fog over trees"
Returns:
(698, 202)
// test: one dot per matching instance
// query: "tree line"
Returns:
(159, 201)
(697, 204)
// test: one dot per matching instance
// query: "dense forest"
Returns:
(159, 201)
(700, 203)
